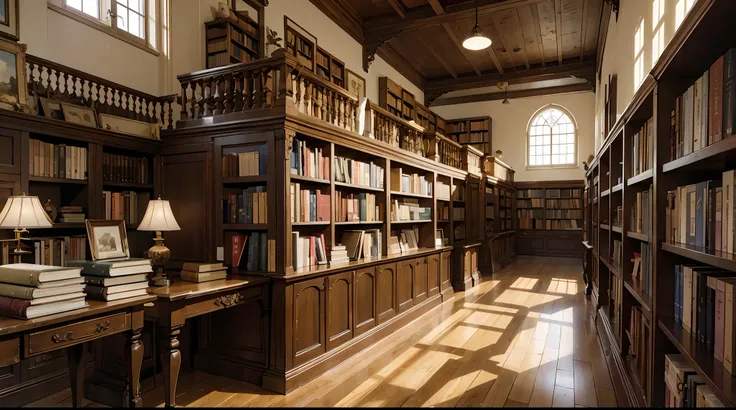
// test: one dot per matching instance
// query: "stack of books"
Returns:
(339, 254)
(29, 291)
(203, 272)
(115, 279)
(71, 214)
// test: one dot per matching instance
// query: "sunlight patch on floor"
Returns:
(524, 283)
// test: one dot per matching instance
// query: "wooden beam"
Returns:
(437, 7)
(389, 54)
(520, 37)
(436, 55)
(451, 32)
(538, 31)
(344, 15)
(602, 35)
(558, 29)
(494, 58)
(583, 29)
(398, 7)
(562, 89)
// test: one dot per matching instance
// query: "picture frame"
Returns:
(51, 108)
(13, 93)
(129, 126)
(291, 28)
(10, 19)
(77, 114)
(355, 83)
(107, 239)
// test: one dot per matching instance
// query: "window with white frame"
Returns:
(552, 138)
(136, 19)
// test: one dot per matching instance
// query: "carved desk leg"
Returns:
(171, 360)
(133, 363)
(76, 360)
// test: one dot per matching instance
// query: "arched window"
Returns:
(552, 138)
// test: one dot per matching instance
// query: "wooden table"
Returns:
(21, 339)
(184, 300)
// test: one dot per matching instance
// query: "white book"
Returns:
(687, 276)
(728, 214)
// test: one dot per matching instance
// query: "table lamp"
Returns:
(19, 213)
(159, 218)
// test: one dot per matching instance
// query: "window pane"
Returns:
(136, 5)
(547, 149)
(532, 160)
(122, 18)
(123, 3)
(570, 159)
(75, 4)
(545, 161)
(545, 139)
(539, 150)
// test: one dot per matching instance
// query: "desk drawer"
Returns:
(69, 335)
(223, 300)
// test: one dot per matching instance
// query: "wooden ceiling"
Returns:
(533, 40)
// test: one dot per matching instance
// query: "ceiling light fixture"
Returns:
(476, 40)
(506, 96)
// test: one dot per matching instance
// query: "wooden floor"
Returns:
(524, 338)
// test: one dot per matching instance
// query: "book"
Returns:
(52, 160)
(22, 308)
(114, 268)
(27, 274)
(117, 296)
(28, 292)
(729, 93)
(109, 290)
(120, 280)
(203, 277)
(202, 266)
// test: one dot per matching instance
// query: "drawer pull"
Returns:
(67, 337)
(101, 328)
(228, 300)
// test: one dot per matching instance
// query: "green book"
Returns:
(120, 267)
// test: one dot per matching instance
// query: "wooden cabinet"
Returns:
(309, 320)
(339, 309)
(364, 314)
(405, 284)
(445, 269)
(549, 243)
(10, 151)
(386, 284)
(433, 275)
(420, 280)
(466, 272)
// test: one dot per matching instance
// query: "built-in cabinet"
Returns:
(309, 320)
(386, 294)
(339, 309)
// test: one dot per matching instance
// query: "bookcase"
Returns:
(396, 100)
(231, 40)
(330, 68)
(669, 148)
(475, 131)
(497, 215)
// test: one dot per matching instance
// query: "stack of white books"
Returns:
(339, 254)
(115, 279)
(29, 291)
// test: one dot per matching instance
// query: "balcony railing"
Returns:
(444, 150)
(496, 168)
(51, 80)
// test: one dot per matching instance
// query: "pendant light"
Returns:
(506, 97)
(476, 40)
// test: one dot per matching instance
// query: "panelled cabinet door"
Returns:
(467, 263)
(473, 260)
(10, 152)
(420, 280)
(405, 284)
(445, 269)
(386, 292)
(309, 320)
(339, 309)
(433, 275)
(366, 300)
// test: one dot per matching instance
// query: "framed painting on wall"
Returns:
(355, 84)
(13, 93)
(9, 17)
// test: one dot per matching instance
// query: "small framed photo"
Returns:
(78, 114)
(107, 239)
(355, 84)
(9, 19)
(51, 108)
(439, 238)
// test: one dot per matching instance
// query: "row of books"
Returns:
(410, 183)
(248, 207)
(683, 387)
(641, 212)
(28, 290)
(458, 192)
(308, 161)
(57, 160)
(443, 190)
(308, 250)
(203, 272)
(354, 172)
(124, 168)
(58, 251)
(129, 206)
(115, 280)
(458, 214)
(565, 203)
(705, 113)
(618, 217)
(71, 214)
(408, 209)
(639, 335)
(642, 148)
(243, 164)
(564, 213)
(357, 207)
(702, 214)
(530, 203)
(242, 38)
(406, 240)
(564, 192)
(309, 205)
(614, 291)
(473, 137)
(704, 307)
(617, 252)
(252, 252)
(362, 244)
(530, 218)
(642, 271)
(479, 125)
(530, 193)
(562, 224)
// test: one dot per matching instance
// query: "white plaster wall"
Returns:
(510, 130)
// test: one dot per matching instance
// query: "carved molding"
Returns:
(228, 300)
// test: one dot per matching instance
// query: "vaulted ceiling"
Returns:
(534, 41)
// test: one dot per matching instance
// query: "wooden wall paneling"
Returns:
(339, 305)
(10, 151)
(386, 291)
(309, 320)
(433, 275)
(96, 208)
(420, 280)
(445, 270)
(405, 278)
(366, 300)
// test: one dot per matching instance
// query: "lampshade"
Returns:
(24, 212)
(158, 217)
(476, 40)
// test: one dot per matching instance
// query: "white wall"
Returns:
(510, 130)
(620, 55)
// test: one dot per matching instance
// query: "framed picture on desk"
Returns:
(107, 239)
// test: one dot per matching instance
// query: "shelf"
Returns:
(609, 263)
(69, 225)
(245, 180)
(302, 178)
(448, 200)
(313, 223)
(720, 152)
(711, 370)
(644, 176)
(51, 180)
(408, 194)
(618, 229)
(131, 185)
(419, 221)
(636, 235)
(444, 221)
(617, 188)
(359, 223)
(606, 227)
(721, 260)
(361, 187)
(644, 299)
(245, 227)
(605, 193)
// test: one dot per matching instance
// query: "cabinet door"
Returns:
(309, 320)
(420, 280)
(467, 263)
(386, 279)
(445, 269)
(405, 284)
(339, 309)
(433, 275)
(10, 152)
(473, 260)
(365, 300)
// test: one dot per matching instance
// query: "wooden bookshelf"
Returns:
(329, 68)
(475, 131)
(396, 99)
(231, 40)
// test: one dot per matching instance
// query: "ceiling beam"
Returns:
(459, 45)
(436, 55)
(437, 7)
(602, 35)
(398, 8)
(494, 58)
(538, 32)
(558, 29)
(520, 37)
(562, 89)
(344, 15)
(583, 29)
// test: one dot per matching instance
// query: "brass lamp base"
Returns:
(18, 252)
(159, 255)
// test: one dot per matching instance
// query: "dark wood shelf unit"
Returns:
(721, 260)
(638, 236)
(475, 131)
(642, 177)
(232, 40)
(395, 99)
(642, 297)
(129, 185)
(50, 180)
(330, 68)
(257, 179)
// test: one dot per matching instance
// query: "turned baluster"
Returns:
(184, 101)
(228, 94)
(237, 92)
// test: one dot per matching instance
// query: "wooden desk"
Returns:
(184, 300)
(72, 330)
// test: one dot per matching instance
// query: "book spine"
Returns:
(96, 292)
(728, 329)
(729, 93)
(719, 320)
(14, 307)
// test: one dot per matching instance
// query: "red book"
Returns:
(312, 253)
(323, 207)
(715, 102)
(238, 246)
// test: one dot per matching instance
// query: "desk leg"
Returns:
(133, 363)
(171, 359)
(76, 360)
